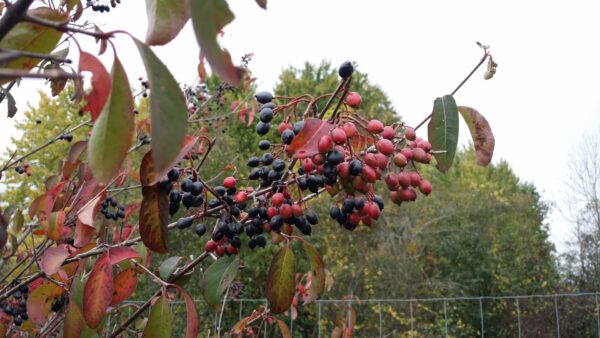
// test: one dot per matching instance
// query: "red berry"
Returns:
(400, 160)
(395, 197)
(371, 160)
(404, 179)
(366, 220)
(419, 155)
(210, 246)
(220, 251)
(415, 179)
(353, 99)
(344, 169)
(285, 211)
(283, 126)
(277, 199)
(382, 160)
(391, 180)
(231, 250)
(325, 144)
(354, 218)
(229, 182)
(297, 210)
(369, 174)
(241, 197)
(375, 127)
(338, 135)
(374, 211)
(385, 146)
(410, 134)
(308, 165)
(407, 153)
(318, 159)
(272, 212)
(425, 146)
(349, 129)
(425, 187)
(407, 195)
(388, 133)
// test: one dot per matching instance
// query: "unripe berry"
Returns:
(272, 212)
(241, 197)
(366, 220)
(308, 165)
(354, 218)
(382, 160)
(277, 199)
(407, 153)
(285, 211)
(410, 134)
(353, 99)
(415, 179)
(419, 155)
(385, 146)
(229, 182)
(368, 174)
(396, 197)
(425, 146)
(283, 126)
(325, 144)
(231, 250)
(343, 169)
(349, 129)
(400, 160)
(338, 135)
(371, 160)
(375, 127)
(391, 181)
(408, 195)
(388, 133)
(404, 179)
(210, 246)
(318, 159)
(297, 210)
(373, 210)
(220, 251)
(425, 187)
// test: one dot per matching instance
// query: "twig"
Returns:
(62, 27)
(53, 74)
(14, 14)
(9, 54)
(333, 96)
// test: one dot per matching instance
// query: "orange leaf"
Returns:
(124, 285)
(52, 259)
(117, 255)
(54, 224)
(98, 291)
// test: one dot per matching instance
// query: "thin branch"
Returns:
(53, 74)
(62, 27)
(9, 54)
(14, 14)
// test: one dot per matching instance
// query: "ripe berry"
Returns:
(197, 188)
(173, 175)
(375, 127)
(355, 167)
(253, 161)
(260, 241)
(338, 135)
(184, 222)
(325, 144)
(346, 70)
(335, 157)
(335, 212)
(266, 115)
(229, 182)
(263, 97)
(200, 229)
(353, 99)
(287, 136)
(188, 200)
(267, 159)
(262, 128)
(264, 145)
(385, 146)
(186, 185)
(312, 218)
(388, 133)
(410, 134)
(174, 197)
(298, 126)
(425, 187)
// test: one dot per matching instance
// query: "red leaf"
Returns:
(192, 321)
(125, 283)
(305, 143)
(52, 259)
(117, 255)
(54, 225)
(88, 212)
(98, 291)
(83, 234)
(100, 83)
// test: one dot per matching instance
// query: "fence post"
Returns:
(557, 317)
(380, 319)
(445, 320)
(518, 317)
(481, 316)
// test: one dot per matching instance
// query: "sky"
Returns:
(545, 95)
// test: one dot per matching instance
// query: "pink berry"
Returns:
(229, 182)
(350, 129)
(410, 134)
(388, 133)
(400, 160)
(325, 144)
(425, 187)
(338, 135)
(375, 127)
(385, 146)
(353, 99)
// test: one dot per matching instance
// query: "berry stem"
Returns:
(333, 96)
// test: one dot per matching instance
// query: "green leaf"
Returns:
(167, 109)
(217, 279)
(482, 135)
(160, 321)
(280, 280)
(113, 130)
(443, 131)
(166, 18)
(32, 37)
(317, 285)
(17, 222)
(208, 18)
(168, 266)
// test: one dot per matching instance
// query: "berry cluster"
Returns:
(23, 169)
(190, 195)
(98, 7)
(117, 212)
(17, 306)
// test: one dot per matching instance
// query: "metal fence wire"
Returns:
(555, 315)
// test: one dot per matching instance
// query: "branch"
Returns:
(53, 74)
(14, 14)
(10, 54)
(62, 27)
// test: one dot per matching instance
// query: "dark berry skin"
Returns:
(347, 206)
(197, 188)
(173, 175)
(268, 105)
(346, 70)
(264, 145)
(185, 222)
(298, 127)
(252, 243)
(200, 229)
(262, 128)
(379, 201)
(264, 97)
(287, 136)
(186, 185)
(335, 212)
(260, 241)
(312, 218)
(278, 165)
(355, 167)
(266, 115)
(335, 157)
(253, 161)
(267, 159)
(254, 174)
(174, 196)
(188, 200)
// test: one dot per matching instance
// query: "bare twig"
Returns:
(14, 14)
(53, 74)
(9, 54)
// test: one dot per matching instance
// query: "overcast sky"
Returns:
(545, 94)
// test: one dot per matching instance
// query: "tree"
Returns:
(108, 213)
